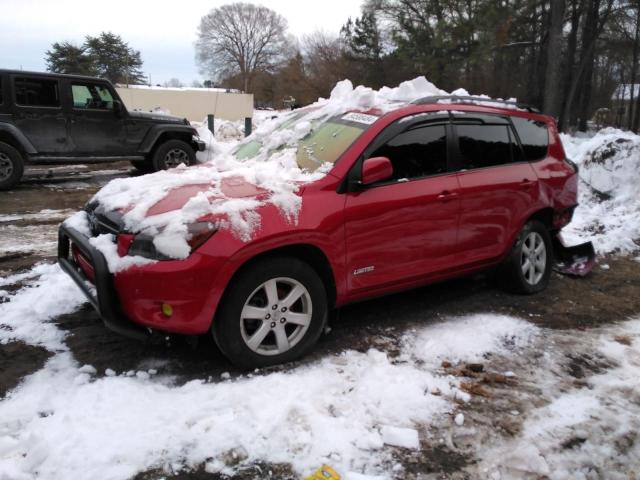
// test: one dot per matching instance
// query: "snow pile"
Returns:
(273, 169)
(344, 410)
(609, 210)
(584, 431)
(25, 315)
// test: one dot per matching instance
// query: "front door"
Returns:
(95, 128)
(39, 115)
(404, 229)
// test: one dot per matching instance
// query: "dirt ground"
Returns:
(610, 294)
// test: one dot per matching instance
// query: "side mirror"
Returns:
(118, 108)
(376, 169)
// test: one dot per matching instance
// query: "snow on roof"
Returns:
(623, 92)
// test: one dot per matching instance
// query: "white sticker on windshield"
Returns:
(359, 118)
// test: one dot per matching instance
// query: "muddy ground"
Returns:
(610, 294)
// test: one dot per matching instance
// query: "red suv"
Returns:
(427, 191)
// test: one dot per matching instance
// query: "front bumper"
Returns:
(200, 145)
(103, 297)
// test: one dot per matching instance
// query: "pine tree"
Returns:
(114, 59)
(67, 58)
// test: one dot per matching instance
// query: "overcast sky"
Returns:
(163, 30)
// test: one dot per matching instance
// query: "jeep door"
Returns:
(497, 186)
(401, 230)
(94, 127)
(39, 114)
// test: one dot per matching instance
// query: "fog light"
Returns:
(167, 309)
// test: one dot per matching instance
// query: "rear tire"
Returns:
(528, 267)
(11, 166)
(172, 153)
(272, 312)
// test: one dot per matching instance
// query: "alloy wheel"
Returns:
(175, 157)
(533, 258)
(6, 166)
(276, 316)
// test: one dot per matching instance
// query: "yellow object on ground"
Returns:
(325, 472)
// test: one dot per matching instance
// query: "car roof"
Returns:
(50, 74)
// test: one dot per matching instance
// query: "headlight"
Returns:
(142, 244)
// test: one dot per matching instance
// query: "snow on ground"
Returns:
(586, 428)
(63, 422)
(609, 210)
(27, 315)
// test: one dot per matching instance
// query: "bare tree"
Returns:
(241, 39)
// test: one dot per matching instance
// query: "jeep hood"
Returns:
(157, 117)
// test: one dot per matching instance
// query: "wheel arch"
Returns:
(158, 135)
(10, 135)
(544, 216)
(305, 252)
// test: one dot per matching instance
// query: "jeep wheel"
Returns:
(528, 267)
(171, 154)
(273, 312)
(11, 166)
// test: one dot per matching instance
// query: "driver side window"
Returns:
(419, 152)
(91, 96)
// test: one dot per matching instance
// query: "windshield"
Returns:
(324, 144)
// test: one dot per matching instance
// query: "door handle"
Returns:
(527, 183)
(446, 196)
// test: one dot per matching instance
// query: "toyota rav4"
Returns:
(384, 199)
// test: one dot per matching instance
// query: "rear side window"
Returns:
(483, 146)
(36, 92)
(416, 153)
(534, 137)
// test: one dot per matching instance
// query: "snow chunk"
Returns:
(400, 437)
(105, 243)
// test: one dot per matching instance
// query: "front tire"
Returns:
(528, 267)
(172, 153)
(11, 166)
(273, 312)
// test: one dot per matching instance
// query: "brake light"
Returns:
(124, 243)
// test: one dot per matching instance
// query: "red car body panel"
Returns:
(375, 241)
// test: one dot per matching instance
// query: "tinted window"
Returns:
(419, 152)
(36, 92)
(484, 145)
(533, 137)
(1, 85)
(96, 97)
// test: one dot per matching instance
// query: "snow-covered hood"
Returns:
(230, 188)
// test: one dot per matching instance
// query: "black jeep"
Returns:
(57, 119)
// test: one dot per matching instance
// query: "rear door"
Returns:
(403, 229)
(497, 186)
(95, 128)
(38, 113)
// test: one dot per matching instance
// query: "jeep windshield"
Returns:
(324, 144)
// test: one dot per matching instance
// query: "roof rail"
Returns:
(473, 100)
